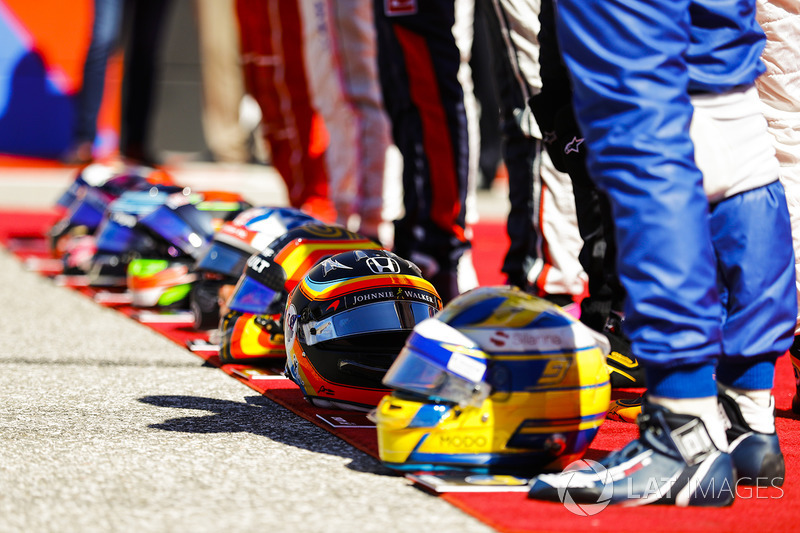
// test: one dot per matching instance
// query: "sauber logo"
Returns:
(383, 265)
(393, 8)
(499, 338)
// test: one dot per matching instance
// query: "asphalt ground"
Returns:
(106, 426)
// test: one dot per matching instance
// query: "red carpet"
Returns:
(763, 509)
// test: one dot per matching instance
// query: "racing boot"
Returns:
(623, 367)
(757, 456)
(625, 409)
(673, 462)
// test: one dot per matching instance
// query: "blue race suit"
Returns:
(704, 278)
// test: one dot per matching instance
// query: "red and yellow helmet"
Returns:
(251, 325)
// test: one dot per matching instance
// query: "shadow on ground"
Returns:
(260, 416)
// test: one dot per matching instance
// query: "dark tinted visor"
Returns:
(88, 211)
(223, 259)
(174, 229)
(250, 296)
(370, 318)
(115, 238)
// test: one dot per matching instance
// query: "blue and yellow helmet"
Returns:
(499, 381)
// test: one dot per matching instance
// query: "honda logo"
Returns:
(383, 265)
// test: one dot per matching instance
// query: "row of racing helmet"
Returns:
(496, 381)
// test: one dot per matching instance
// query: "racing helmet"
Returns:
(119, 238)
(499, 382)
(112, 177)
(347, 320)
(160, 282)
(250, 232)
(181, 229)
(93, 189)
(221, 206)
(252, 326)
(187, 220)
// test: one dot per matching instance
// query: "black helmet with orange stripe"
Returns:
(346, 322)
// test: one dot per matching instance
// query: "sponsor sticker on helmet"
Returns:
(533, 340)
(405, 293)
(372, 296)
(332, 264)
(257, 263)
(235, 231)
(466, 367)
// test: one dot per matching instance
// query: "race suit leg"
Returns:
(642, 154)
(779, 89)
(274, 70)
(664, 94)
(419, 63)
(542, 225)
(223, 82)
(341, 59)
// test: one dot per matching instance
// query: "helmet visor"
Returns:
(88, 211)
(115, 238)
(71, 194)
(415, 373)
(250, 296)
(440, 363)
(223, 259)
(175, 230)
(370, 318)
